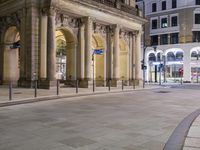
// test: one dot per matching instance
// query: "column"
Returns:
(138, 57)
(88, 46)
(43, 46)
(186, 66)
(130, 56)
(22, 51)
(1, 57)
(51, 46)
(133, 55)
(108, 53)
(116, 53)
(81, 51)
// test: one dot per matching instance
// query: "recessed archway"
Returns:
(65, 54)
(123, 60)
(11, 56)
(98, 62)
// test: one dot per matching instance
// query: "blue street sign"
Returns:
(98, 51)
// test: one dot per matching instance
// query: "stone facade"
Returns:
(85, 25)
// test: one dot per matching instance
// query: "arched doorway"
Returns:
(98, 62)
(11, 56)
(123, 60)
(66, 56)
(174, 65)
(194, 63)
(151, 60)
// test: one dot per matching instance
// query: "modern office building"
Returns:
(70, 40)
(174, 28)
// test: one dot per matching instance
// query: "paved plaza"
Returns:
(135, 120)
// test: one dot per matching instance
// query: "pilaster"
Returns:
(138, 56)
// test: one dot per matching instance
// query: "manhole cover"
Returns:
(18, 93)
(162, 91)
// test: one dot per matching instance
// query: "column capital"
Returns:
(52, 11)
(87, 19)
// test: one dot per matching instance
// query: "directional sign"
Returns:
(98, 51)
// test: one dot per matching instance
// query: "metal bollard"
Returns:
(109, 84)
(10, 90)
(93, 86)
(76, 86)
(122, 85)
(58, 87)
(134, 84)
(35, 93)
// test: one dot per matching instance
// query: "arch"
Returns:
(11, 62)
(123, 72)
(65, 53)
(99, 60)
(195, 53)
(174, 54)
(152, 57)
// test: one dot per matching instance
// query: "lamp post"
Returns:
(143, 62)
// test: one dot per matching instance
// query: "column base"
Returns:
(85, 83)
(46, 84)
(70, 83)
(135, 82)
(100, 83)
(116, 83)
(26, 83)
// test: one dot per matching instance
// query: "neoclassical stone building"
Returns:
(59, 39)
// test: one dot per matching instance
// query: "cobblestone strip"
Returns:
(178, 138)
(192, 141)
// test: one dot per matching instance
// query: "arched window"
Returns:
(152, 57)
(194, 55)
(179, 56)
(170, 56)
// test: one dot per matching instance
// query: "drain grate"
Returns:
(162, 92)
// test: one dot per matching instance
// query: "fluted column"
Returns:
(43, 46)
(133, 55)
(88, 46)
(51, 46)
(81, 51)
(116, 53)
(138, 57)
(108, 53)
(1, 57)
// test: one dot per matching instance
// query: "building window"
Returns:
(154, 24)
(154, 40)
(164, 5)
(174, 21)
(174, 4)
(197, 2)
(154, 7)
(164, 23)
(196, 36)
(174, 38)
(197, 18)
(163, 39)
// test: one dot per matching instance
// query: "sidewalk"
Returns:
(192, 141)
(26, 95)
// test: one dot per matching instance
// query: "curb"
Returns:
(48, 98)
(177, 139)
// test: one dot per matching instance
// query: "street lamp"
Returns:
(143, 62)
